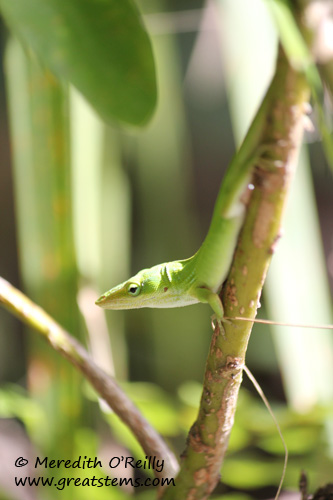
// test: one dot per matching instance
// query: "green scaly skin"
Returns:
(199, 278)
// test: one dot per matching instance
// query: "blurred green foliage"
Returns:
(88, 42)
(96, 202)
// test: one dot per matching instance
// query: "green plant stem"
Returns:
(208, 438)
(26, 310)
(40, 139)
(316, 25)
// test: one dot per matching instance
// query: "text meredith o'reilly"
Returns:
(85, 462)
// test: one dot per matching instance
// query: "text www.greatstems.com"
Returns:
(97, 482)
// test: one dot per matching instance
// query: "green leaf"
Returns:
(299, 441)
(290, 35)
(155, 405)
(190, 393)
(300, 56)
(250, 472)
(15, 403)
(100, 46)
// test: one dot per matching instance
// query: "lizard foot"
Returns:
(218, 323)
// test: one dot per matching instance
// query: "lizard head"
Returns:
(152, 287)
(142, 290)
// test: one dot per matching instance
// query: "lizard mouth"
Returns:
(114, 299)
(100, 300)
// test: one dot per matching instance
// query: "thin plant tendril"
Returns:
(269, 408)
(280, 323)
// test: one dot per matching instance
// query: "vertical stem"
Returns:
(38, 109)
(281, 138)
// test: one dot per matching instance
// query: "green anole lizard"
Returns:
(199, 278)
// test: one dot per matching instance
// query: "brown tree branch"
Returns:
(284, 106)
(152, 443)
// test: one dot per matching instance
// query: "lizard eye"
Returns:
(133, 289)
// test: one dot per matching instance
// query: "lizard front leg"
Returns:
(207, 296)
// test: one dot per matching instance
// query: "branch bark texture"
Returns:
(284, 104)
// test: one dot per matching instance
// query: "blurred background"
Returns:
(85, 205)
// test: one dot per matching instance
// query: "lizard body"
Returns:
(199, 278)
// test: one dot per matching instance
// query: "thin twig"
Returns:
(26, 310)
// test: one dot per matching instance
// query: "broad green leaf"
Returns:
(100, 46)
(155, 405)
(15, 403)
(299, 441)
(249, 472)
